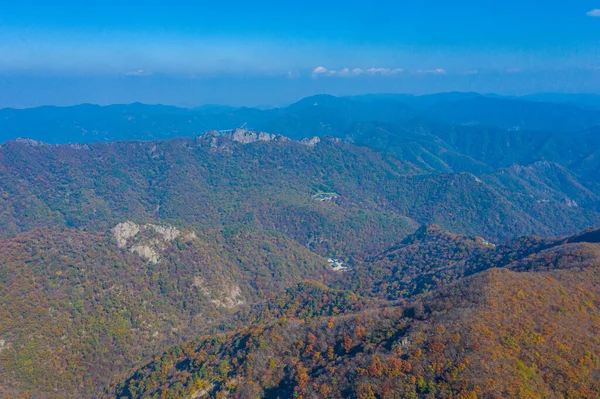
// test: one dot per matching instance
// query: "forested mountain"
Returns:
(273, 183)
(448, 132)
(524, 330)
(78, 307)
(363, 247)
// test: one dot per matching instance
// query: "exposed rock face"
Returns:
(146, 240)
(202, 392)
(168, 233)
(211, 134)
(189, 235)
(145, 252)
(79, 146)
(570, 203)
(222, 141)
(311, 142)
(124, 231)
(247, 136)
(211, 137)
(31, 142)
(230, 298)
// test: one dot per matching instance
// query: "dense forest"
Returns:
(383, 247)
(239, 179)
(525, 330)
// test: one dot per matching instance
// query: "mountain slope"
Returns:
(499, 333)
(338, 198)
(425, 260)
(414, 144)
(78, 308)
(112, 251)
(211, 182)
(432, 258)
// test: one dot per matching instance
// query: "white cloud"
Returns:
(319, 70)
(139, 72)
(438, 71)
(377, 71)
(384, 71)
(594, 13)
(345, 72)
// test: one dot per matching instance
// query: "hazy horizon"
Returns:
(176, 100)
(271, 53)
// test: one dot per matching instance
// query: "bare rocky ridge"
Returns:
(311, 142)
(149, 245)
(247, 136)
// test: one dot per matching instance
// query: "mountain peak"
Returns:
(31, 142)
(248, 136)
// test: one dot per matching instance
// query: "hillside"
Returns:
(446, 132)
(79, 307)
(209, 182)
(299, 199)
(499, 333)
(432, 258)
(425, 260)
(112, 252)
(272, 183)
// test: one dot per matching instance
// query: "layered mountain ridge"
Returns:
(364, 247)
(244, 177)
(447, 132)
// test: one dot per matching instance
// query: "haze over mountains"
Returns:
(368, 247)
(443, 132)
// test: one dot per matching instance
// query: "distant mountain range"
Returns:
(448, 132)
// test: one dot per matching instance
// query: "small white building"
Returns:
(337, 264)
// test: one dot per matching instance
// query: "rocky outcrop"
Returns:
(4, 345)
(248, 136)
(31, 142)
(311, 142)
(147, 240)
(222, 141)
(124, 231)
(146, 252)
(166, 232)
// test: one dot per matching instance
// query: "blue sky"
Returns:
(73, 49)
